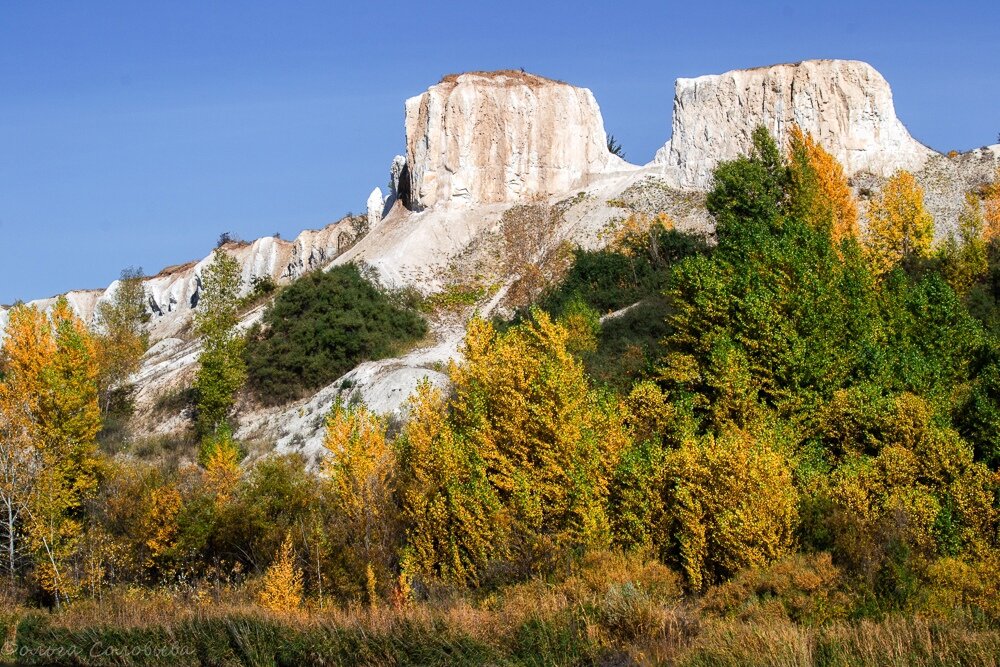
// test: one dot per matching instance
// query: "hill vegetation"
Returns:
(322, 326)
(785, 452)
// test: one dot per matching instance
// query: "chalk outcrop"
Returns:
(847, 105)
(479, 145)
(375, 206)
(173, 293)
(496, 137)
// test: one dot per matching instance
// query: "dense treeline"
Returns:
(797, 422)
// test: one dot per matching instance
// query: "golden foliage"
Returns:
(923, 490)
(361, 471)
(992, 205)
(730, 504)
(547, 441)
(820, 187)
(221, 455)
(899, 227)
(956, 585)
(49, 404)
(518, 464)
(281, 587)
(635, 231)
(453, 524)
(160, 522)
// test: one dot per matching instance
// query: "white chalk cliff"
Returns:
(845, 104)
(173, 293)
(495, 137)
(479, 144)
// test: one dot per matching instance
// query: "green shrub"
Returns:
(322, 326)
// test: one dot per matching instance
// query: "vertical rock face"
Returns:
(493, 137)
(374, 207)
(845, 104)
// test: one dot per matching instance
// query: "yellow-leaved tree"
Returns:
(361, 472)
(820, 192)
(49, 405)
(729, 503)
(547, 440)
(281, 588)
(27, 348)
(453, 518)
(70, 418)
(524, 421)
(992, 205)
(923, 491)
(899, 227)
(220, 454)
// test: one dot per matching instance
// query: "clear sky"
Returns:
(134, 133)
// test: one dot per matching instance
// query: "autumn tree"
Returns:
(222, 368)
(729, 503)
(281, 588)
(28, 347)
(965, 254)
(361, 472)
(899, 227)
(70, 417)
(548, 441)
(992, 204)
(525, 445)
(454, 525)
(120, 337)
(820, 193)
(220, 456)
(50, 419)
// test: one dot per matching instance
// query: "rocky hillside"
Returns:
(503, 167)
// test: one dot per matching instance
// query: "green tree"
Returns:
(222, 368)
(751, 187)
(964, 256)
(320, 327)
(121, 338)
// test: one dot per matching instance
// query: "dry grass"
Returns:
(611, 609)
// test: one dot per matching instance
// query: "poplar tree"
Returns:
(992, 205)
(899, 227)
(121, 338)
(222, 368)
(50, 419)
(820, 193)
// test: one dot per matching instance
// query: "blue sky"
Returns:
(133, 133)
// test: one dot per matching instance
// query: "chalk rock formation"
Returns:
(375, 205)
(173, 293)
(495, 137)
(845, 104)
